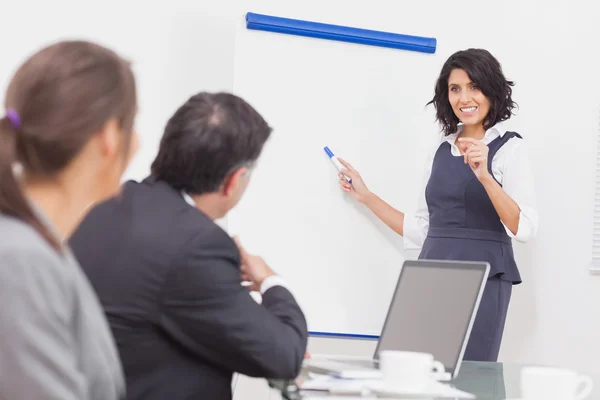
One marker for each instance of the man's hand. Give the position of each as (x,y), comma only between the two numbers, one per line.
(253,268)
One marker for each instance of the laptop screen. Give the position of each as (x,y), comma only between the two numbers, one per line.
(432,307)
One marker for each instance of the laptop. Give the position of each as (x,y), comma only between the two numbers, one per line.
(432,311)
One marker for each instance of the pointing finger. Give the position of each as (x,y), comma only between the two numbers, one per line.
(346,164)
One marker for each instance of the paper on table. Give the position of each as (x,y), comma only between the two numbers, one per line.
(361,387)
(337,386)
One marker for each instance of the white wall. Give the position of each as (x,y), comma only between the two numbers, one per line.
(184,46)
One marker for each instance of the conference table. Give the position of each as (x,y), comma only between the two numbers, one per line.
(487,381)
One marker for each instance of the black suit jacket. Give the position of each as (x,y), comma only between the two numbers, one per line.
(168,278)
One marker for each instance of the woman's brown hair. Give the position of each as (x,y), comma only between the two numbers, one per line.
(486,72)
(57,100)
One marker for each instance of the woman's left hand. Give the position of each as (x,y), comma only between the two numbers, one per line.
(476,155)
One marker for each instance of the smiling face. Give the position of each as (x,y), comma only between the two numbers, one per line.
(468,102)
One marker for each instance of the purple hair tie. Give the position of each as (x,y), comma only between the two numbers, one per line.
(13,117)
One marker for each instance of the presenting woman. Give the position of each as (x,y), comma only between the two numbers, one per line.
(478,193)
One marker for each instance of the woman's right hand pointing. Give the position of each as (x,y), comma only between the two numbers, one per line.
(357,189)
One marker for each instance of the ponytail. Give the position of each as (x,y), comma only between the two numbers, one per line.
(13,201)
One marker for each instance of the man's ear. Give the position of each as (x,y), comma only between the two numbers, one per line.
(234,180)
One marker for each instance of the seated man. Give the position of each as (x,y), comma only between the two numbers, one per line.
(170,279)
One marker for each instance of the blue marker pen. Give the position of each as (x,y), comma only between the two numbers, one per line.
(336,162)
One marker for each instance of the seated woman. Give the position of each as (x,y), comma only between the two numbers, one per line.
(69,120)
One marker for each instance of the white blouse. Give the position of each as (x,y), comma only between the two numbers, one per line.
(510,167)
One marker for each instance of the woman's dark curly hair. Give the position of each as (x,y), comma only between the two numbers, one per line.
(485,71)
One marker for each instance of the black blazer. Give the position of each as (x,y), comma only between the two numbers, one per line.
(168,278)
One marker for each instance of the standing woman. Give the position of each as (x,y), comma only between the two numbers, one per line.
(68,126)
(478,192)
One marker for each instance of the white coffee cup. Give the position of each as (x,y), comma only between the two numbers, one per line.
(408,371)
(546,383)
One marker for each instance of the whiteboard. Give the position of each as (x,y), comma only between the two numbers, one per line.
(342,263)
